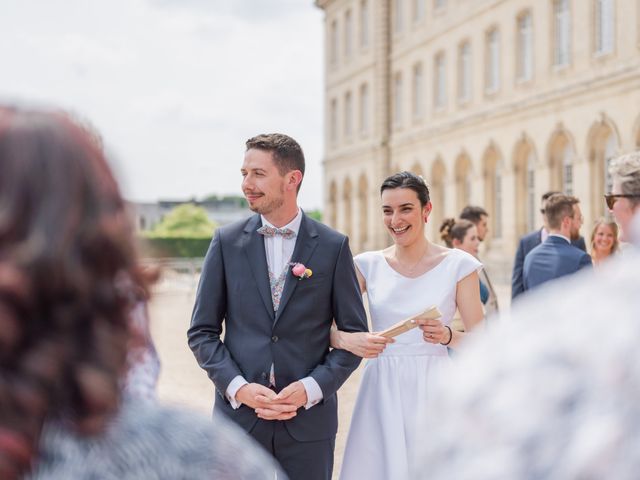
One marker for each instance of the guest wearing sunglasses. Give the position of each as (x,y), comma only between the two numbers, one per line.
(624,200)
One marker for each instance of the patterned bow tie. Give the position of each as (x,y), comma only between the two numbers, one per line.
(268,232)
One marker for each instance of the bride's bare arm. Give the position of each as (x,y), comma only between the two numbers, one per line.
(468,301)
(363,344)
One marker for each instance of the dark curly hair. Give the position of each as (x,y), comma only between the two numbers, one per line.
(68,277)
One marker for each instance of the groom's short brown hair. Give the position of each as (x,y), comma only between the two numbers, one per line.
(287,154)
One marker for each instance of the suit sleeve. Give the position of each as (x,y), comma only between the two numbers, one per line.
(349,316)
(585,262)
(207,318)
(517,284)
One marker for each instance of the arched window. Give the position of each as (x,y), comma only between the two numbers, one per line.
(497,203)
(363,212)
(610,151)
(567,169)
(531,191)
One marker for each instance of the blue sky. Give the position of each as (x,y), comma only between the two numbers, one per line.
(174,86)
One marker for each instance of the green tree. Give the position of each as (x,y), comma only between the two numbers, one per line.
(315,214)
(187,221)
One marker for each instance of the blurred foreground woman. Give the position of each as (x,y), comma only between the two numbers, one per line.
(68,281)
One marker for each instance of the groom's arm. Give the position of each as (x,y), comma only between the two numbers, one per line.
(206,322)
(349,316)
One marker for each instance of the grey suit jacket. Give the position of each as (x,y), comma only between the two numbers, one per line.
(234,290)
(553,258)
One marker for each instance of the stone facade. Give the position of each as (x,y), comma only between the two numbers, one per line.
(493,102)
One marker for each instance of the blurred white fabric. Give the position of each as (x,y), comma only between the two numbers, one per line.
(552,394)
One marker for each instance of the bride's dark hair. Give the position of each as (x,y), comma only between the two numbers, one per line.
(407,180)
(68,275)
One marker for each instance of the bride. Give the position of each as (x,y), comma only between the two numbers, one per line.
(400,281)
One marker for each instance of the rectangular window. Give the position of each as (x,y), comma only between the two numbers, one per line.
(493,61)
(464,72)
(397,100)
(525,47)
(398,16)
(418,86)
(348,115)
(418,10)
(437,4)
(348,34)
(561,33)
(333,120)
(364,23)
(364,109)
(440,85)
(333,49)
(604,26)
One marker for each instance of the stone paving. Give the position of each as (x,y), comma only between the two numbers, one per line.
(183,383)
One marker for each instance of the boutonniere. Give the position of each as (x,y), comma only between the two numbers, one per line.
(300,271)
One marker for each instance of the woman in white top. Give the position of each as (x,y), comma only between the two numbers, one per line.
(400,281)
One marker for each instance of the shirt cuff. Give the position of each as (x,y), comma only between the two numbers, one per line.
(314,392)
(237,382)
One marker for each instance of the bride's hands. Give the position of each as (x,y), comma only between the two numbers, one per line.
(433,331)
(362,344)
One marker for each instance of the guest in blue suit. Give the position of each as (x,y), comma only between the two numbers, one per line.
(531,241)
(556,257)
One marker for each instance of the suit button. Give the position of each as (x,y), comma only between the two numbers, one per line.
(274,339)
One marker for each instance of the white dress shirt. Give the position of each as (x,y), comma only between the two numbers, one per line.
(278,251)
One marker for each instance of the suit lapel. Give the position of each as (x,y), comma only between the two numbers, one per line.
(253,246)
(305,245)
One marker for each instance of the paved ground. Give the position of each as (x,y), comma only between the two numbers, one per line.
(182,382)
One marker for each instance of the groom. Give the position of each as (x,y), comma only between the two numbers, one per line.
(277,281)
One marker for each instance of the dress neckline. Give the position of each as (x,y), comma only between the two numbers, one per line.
(386,262)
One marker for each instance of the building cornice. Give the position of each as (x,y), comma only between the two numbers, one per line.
(322,4)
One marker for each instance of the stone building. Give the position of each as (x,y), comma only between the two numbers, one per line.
(493,102)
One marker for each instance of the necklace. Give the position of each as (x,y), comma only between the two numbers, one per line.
(412,267)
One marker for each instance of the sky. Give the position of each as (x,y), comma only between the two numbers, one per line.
(174,87)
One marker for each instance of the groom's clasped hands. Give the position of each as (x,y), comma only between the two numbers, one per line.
(270,405)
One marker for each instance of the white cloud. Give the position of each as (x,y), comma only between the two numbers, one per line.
(175,87)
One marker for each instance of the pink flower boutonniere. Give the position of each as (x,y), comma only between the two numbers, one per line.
(300,271)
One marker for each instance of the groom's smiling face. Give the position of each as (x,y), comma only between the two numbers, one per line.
(262,184)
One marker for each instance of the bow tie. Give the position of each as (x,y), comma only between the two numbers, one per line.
(269,232)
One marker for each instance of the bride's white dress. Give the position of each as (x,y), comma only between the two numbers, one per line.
(395,386)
